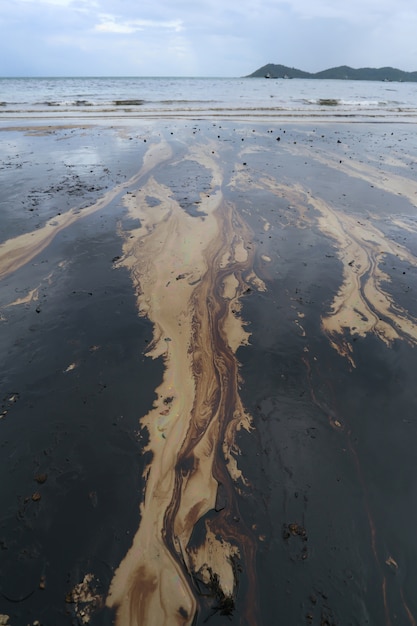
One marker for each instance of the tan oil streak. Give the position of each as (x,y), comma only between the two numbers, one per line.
(214,552)
(362,304)
(31,296)
(165,259)
(389,161)
(16,252)
(405,225)
(188,277)
(387,181)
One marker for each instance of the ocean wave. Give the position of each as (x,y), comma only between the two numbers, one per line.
(129,102)
(351,103)
(188,100)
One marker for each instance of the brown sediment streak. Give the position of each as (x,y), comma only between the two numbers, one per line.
(390,561)
(409,614)
(16,252)
(336,423)
(372,528)
(189,273)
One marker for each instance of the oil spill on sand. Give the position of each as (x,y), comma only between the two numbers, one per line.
(217,513)
(189,272)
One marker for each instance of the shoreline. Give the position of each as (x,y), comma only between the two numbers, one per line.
(245,117)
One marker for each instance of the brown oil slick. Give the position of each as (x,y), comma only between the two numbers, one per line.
(189,273)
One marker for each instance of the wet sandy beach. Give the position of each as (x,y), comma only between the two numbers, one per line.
(208,351)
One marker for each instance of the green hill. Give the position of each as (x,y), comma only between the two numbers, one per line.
(343,72)
(279,71)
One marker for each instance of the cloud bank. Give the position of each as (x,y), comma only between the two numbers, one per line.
(205,38)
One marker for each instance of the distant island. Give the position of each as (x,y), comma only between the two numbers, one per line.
(343,72)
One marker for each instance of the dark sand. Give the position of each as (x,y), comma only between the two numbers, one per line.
(225,314)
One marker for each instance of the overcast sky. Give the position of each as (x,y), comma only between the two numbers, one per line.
(202,37)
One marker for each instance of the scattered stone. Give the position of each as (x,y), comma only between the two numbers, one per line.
(85,598)
(392,563)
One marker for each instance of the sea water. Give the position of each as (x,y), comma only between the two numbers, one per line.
(137,97)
